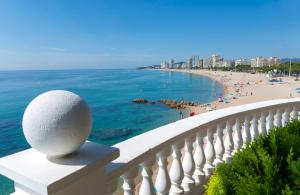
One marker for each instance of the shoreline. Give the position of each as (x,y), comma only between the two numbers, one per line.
(243,88)
(200,109)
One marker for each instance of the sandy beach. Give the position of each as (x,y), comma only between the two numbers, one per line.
(242,88)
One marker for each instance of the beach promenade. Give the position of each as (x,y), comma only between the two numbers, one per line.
(242,88)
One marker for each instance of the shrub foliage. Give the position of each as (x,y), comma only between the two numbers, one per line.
(269,165)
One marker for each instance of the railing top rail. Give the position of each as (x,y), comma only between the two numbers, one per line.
(136,149)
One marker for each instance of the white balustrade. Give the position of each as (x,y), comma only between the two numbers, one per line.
(219,146)
(278,117)
(246,131)
(286,116)
(209,153)
(262,123)
(295,112)
(229,144)
(199,157)
(176,171)
(254,126)
(128,181)
(147,186)
(98,168)
(162,182)
(238,139)
(188,164)
(271,119)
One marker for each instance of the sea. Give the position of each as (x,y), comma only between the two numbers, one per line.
(109,94)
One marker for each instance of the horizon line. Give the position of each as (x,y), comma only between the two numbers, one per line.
(3,70)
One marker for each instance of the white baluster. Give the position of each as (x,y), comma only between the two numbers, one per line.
(176,171)
(188,165)
(199,175)
(209,154)
(238,139)
(290,113)
(229,145)
(246,131)
(295,113)
(270,120)
(262,123)
(219,145)
(147,186)
(254,126)
(278,117)
(162,182)
(286,116)
(128,182)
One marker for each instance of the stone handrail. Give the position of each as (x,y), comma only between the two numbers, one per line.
(181,155)
(240,124)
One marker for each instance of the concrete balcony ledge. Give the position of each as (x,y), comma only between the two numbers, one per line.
(35,173)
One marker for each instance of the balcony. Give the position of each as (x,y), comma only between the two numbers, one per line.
(177,158)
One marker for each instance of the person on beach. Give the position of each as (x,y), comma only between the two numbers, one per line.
(181,115)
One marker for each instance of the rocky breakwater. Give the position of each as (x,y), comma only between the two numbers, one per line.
(140,101)
(177,104)
(170,103)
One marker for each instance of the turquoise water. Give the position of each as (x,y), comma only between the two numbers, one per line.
(109,94)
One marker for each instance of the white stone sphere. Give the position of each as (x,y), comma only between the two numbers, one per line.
(57,122)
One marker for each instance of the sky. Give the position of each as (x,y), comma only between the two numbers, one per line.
(71,34)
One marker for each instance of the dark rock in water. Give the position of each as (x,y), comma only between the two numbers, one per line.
(140,101)
(177,105)
(114,133)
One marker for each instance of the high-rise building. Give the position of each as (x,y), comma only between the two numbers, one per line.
(207,63)
(259,62)
(241,61)
(228,63)
(199,63)
(272,61)
(164,65)
(253,62)
(189,63)
(171,63)
(265,62)
(216,60)
(195,59)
